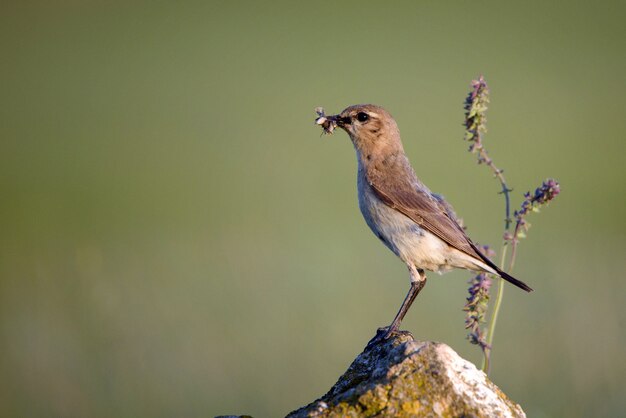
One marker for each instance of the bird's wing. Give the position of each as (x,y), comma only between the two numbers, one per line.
(402,191)
(406,195)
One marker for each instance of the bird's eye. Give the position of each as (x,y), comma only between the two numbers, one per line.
(362,116)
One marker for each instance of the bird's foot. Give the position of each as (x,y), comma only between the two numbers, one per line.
(382,334)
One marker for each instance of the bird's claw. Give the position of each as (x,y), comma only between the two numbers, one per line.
(382,334)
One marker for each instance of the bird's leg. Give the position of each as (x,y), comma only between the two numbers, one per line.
(418,280)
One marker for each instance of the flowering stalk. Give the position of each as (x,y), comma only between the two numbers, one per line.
(476,307)
(477,303)
(542,196)
(532,203)
(475,126)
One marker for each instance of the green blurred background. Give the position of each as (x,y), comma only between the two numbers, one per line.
(177,239)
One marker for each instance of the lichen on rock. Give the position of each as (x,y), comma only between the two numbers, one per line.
(402,377)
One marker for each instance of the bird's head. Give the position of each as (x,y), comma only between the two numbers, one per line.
(371,128)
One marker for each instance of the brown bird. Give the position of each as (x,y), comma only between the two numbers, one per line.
(420,227)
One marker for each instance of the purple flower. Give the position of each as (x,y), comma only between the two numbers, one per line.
(477,304)
(475,119)
(532,202)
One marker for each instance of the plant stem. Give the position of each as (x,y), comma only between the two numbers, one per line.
(514,242)
(494,315)
(484,157)
(486,360)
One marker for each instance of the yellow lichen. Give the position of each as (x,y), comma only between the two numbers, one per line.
(411,407)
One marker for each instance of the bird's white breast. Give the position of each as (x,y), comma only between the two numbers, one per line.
(400,234)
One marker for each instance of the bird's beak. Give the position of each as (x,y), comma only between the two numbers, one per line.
(329,123)
(340,121)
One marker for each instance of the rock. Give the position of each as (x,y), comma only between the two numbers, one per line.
(401,377)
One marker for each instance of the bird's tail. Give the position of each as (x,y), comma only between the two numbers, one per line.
(506,276)
(513,280)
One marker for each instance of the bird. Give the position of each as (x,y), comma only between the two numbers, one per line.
(417,225)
